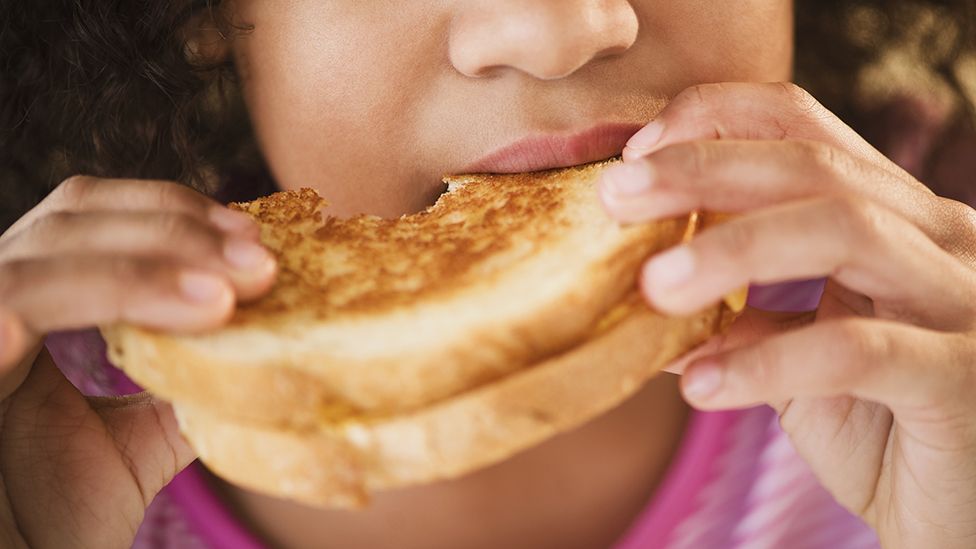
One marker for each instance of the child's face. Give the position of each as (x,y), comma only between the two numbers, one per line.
(372,101)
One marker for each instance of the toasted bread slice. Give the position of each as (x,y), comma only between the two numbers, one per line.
(342,464)
(372,316)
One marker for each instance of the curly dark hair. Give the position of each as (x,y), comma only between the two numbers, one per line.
(105,87)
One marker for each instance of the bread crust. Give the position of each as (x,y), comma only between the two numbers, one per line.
(342,464)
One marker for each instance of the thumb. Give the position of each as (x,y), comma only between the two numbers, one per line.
(148,437)
(80,471)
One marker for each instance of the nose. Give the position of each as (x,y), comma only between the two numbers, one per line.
(546,39)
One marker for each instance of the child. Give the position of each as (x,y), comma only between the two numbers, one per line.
(849,411)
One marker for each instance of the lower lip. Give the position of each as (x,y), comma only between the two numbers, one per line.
(548,152)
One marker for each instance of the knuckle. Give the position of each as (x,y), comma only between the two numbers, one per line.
(833,165)
(12,276)
(75,188)
(699,96)
(961,349)
(738,235)
(174,227)
(823,156)
(857,218)
(52,226)
(54,223)
(124,273)
(185,230)
(700,157)
(858,346)
(127,271)
(798,98)
(765,371)
(693,159)
(962,215)
(174,196)
(150,276)
(135,280)
(959,226)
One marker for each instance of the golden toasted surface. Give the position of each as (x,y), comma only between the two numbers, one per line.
(366,264)
(372,316)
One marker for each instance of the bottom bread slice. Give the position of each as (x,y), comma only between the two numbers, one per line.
(341,465)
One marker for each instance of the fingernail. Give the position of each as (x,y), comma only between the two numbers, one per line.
(633,155)
(231,221)
(245,254)
(201,287)
(703,381)
(647,137)
(628,179)
(669,269)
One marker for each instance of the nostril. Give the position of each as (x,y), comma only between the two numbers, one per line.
(544,39)
(613,51)
(486,72)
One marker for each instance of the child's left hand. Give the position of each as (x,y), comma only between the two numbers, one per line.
(878,389)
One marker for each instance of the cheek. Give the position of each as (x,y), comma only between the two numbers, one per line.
(735,40)
(324,96)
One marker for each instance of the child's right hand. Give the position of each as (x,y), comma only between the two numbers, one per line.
(79,471)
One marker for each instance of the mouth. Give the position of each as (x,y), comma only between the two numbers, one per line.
(544,152)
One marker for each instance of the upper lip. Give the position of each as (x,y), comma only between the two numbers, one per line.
(546,151)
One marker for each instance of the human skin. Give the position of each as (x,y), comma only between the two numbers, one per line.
(370,103)
(372,109)
(875,387)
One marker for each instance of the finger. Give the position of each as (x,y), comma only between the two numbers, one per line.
(895,364)
(145,431)
(769,111)
(81,291)
(862,246)
(83,193)
(710,347)
(178,236)
(751,326)
(733,176)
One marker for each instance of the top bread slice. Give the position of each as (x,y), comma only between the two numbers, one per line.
(374,316)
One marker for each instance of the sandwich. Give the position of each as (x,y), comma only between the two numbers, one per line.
(395,352)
